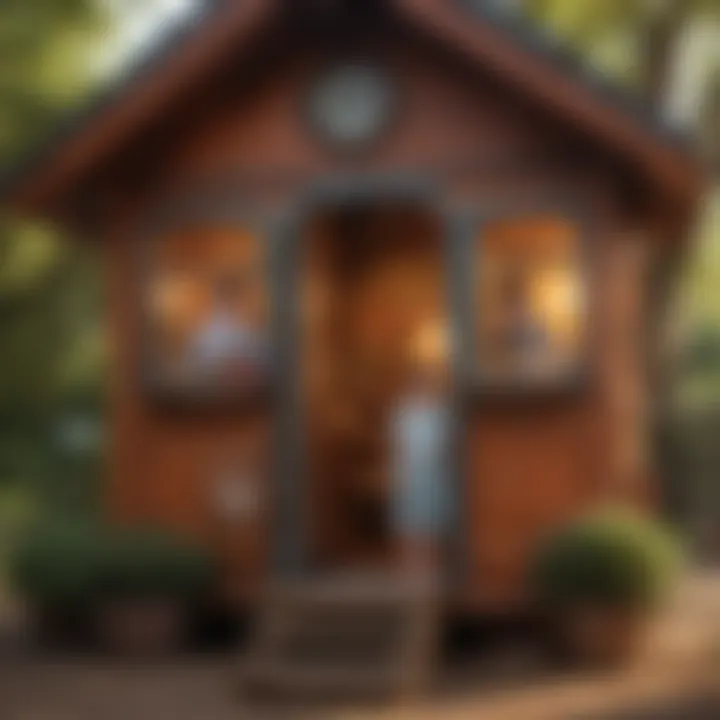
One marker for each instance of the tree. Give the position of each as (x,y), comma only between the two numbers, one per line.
(645,43)
(47,287)
(52,54)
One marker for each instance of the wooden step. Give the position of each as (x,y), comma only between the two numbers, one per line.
(350,590)
(337,642)
(347,634)
(287,677)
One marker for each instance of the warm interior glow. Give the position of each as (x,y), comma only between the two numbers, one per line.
(183,296)
(531,296)
(431,344)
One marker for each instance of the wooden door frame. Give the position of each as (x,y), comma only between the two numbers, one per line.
(291,520)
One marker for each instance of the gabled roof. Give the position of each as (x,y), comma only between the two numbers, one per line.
(511,48)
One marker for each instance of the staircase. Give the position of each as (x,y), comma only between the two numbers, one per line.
(348,636)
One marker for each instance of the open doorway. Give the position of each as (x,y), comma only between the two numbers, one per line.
(372,286)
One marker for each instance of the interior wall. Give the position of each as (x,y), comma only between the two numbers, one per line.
(372,279)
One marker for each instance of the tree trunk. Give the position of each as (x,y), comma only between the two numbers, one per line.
(710,127)
(664,30)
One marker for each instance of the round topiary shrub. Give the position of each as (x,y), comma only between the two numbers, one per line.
(611,558)
(71,563)
(55,566)
(598,579)
(147,563)
(132,589)
(147,582)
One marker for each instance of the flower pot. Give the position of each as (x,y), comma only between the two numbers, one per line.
(59,627)
(141,626)
(600,636)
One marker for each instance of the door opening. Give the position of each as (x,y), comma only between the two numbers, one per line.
(372,286)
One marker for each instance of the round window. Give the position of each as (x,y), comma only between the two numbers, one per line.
(352,104)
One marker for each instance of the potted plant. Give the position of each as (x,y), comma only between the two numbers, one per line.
(147,582)
(600,578)
(133,587)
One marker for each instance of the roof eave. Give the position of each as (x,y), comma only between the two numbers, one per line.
(39,184)
(666,163)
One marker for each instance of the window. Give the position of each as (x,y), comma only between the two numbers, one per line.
(531,299)
(206,305)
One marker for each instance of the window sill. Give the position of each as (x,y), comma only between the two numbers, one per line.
(170,396)
(556,386)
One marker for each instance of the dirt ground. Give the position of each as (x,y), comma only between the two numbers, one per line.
(678,679)
(58,689)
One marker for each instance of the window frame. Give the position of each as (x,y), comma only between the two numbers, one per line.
(292,551)
(519,386)
(198,214)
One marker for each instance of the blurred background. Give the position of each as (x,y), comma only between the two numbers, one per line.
(54,53)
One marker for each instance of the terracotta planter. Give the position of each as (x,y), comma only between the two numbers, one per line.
(58,627)
(141,627)
(603,636)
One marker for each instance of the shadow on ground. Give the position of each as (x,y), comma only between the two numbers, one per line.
(705,707)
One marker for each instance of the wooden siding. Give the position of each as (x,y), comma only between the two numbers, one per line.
(531,462)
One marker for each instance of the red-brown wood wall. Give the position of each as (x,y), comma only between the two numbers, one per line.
(532,462)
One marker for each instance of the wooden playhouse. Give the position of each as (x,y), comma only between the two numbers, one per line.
(350,174)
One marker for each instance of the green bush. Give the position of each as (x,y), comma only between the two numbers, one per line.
(613,557)
(70,564)
(55,564)
(149,563)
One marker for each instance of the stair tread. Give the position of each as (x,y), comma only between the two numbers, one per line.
(354,632)
(350,590)
(287,673)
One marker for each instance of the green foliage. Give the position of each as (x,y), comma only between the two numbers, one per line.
(613,558)
(618,35)
(56,564)
(604,31)
(50,300)
(702,352)
(77,563)
(45,57)
(149,563)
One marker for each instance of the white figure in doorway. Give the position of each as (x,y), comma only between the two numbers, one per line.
(420,425)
